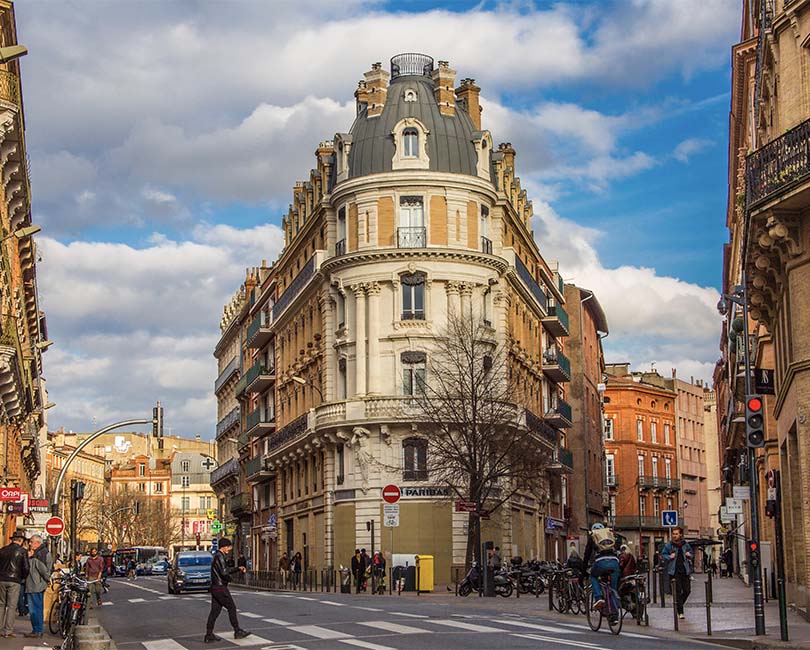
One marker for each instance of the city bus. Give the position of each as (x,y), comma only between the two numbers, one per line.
(142,555)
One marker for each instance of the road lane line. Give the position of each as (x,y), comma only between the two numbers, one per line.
(365,644)
(551,639)
(321,632)
(167,598)
(471,627)
(247,641)
(151,591)
(368,609)
(137,600)
(633,635)
(276,621)
(535,626)
(409,615)
(163,644)
(394,627)
(332,602)
(306,598)
(249,615)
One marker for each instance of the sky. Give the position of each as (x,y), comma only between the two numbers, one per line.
(165,138)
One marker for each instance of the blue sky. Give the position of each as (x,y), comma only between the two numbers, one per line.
(165,137)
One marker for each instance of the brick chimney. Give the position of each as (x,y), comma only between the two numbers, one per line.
(361,95)
(468,95)
(444,79)
(508,155)
(376,89)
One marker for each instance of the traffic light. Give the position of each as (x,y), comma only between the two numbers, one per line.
(77,489)
(754,422)
(157,421)
(753,554)
(198,539)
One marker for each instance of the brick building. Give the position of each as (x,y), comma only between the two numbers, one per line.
(641,454)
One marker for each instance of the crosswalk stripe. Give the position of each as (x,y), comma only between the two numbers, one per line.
(332,602)
(247,641)
(471,627)
(250,615)
(276,621)
(107,603)
(137,600)
(365,644)
(166,598)
(306,598)
(535,626)
(163,644)
(321,632)
(394,627)
(551,639)
(368,609)
(633,635)
(409,615)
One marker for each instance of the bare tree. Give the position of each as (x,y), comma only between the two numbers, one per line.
(467,409)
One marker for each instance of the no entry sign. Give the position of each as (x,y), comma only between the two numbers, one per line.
(391,493)
(10,494)
(55,526)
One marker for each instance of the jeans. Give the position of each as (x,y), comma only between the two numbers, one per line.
(683,587)
(221,597)
(35,607)
(602,566)
(9,593)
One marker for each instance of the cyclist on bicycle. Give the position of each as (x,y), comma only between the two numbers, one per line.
(601,549)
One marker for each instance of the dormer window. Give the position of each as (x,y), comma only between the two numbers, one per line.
(410,143)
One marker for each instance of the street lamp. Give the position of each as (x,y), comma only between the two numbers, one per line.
(12,52)
(305,382)
(22,233)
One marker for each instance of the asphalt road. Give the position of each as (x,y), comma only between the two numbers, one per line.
(140,615)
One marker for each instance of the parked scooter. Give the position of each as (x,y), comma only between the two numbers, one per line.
(474,581)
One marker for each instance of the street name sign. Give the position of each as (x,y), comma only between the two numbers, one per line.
(466,506)
(55,526)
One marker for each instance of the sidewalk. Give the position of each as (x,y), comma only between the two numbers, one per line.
(732,615)
(23,625)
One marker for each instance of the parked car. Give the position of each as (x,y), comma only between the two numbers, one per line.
(160,568)
(190,570)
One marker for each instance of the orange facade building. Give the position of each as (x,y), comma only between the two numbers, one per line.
(641,455)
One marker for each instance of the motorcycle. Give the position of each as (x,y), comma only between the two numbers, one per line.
(474,581)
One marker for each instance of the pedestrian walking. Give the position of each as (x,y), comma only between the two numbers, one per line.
(284,569)
(379,571)
(40,566)
(13,573)
(132,569)
(78,563)
(496,560)
(728,558)
(297,567)
(221,597)
(366,568)
(93,569)
(358,569)
(22,601)
(678,556)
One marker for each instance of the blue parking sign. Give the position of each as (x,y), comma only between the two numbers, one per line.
(214,545)
(669,518)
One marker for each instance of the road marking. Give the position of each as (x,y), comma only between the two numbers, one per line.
(471,627)
(306,598)
(409,615)
(250,640)
(249,615)
(534,626)
(633,635)
(276,621)
(365,644)
(167,598)
(163,644)
(137,600)
(107,604)
(151,591)
(394,627)
(368,609)
(321,632)
(332,602)
(551,639)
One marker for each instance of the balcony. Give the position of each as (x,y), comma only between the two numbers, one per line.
(256,470)
(259,422)
(779,166)
(659,483)
(634,522)
(556,365)
(612,481)
(290,432)
(557,321)
(230,370)
(258,332)
(9,87)
(562,461)
(559,415)
(240,503)
(258,378)
(531,283)
(486,245)
(228,469)
(340,248)
(229,421)
(411,63)
(411,237)
(540,426)
(294,289)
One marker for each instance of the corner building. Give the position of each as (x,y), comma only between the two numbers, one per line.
(410,215)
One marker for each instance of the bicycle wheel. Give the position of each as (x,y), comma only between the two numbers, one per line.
(70,640)
(53,618)
(615,614)
(594,615)
(561,599)
(642,617)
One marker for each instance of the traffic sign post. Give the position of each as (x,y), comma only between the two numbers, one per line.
(391,515)
(55,526)
(391,493)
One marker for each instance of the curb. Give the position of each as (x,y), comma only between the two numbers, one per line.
(753,644)
(92,636)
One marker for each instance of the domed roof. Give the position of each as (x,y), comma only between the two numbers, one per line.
(449,141)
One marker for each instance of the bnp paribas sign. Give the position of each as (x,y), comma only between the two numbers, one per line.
(428,492)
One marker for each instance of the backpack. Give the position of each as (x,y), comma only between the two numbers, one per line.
(603,539)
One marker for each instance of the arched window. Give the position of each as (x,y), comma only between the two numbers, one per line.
(415,459)
(410,143)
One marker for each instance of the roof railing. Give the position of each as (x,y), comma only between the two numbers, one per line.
(411,63)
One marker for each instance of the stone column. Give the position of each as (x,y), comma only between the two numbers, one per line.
(360,338)
(466,290)
(373,338)
(327,307)
(451,288)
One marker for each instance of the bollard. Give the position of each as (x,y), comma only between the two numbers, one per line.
(674,587)
(711,588)
(765,584)
(551,593)
(654,586)
(517,587)
(708,609)
(663,588)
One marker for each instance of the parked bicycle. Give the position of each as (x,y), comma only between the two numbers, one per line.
(69,609)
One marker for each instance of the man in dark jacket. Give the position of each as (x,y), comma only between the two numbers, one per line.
(220,595)
(13,573)
(358,569)
(678,556)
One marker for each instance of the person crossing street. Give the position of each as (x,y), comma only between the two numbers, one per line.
(678,556)
(93,568)
(221,597)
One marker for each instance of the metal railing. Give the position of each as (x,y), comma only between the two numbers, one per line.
(9,87)
(340,248)
(411,63)
(254,466)
(779,165)
(565,456)
(228,421)
(227,469)
(537,425)
(225,375)
(486,245)
(556,357)
(295,287)
(659,482)
(531,283)
(411,237)
(240,503)
(256,371)
(294,429)
(612,481)
(258,416)
(558,312)
(561,407)
(261,321)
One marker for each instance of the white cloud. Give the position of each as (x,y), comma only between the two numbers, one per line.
(689,147)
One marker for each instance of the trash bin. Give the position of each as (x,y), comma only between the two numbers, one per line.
(424,573)
(345,581)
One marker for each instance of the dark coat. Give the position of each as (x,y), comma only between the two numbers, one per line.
(13,563)
(221,572)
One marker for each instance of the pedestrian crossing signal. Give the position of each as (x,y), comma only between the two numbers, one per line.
(754,422)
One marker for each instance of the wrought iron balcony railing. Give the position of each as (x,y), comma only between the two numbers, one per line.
(295,288)
(555,358)
(240,503)
(290,432)
(779,165)
(659,483)
(557,320)
(486,245)
(531,283)
(538,425)
(231,419)
(258,332)
(227,469)
(258,417)
(411,63)
(411,237)
(566,457)
(340,248)
(226,374)
(560,408)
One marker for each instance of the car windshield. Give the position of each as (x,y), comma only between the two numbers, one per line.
(194,560)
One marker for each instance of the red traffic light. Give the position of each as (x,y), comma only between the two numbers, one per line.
(753,546)
(754,404)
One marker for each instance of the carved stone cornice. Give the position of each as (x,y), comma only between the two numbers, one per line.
(423,255)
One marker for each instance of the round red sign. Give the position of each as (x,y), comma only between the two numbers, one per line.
(55,526)
(391,493)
